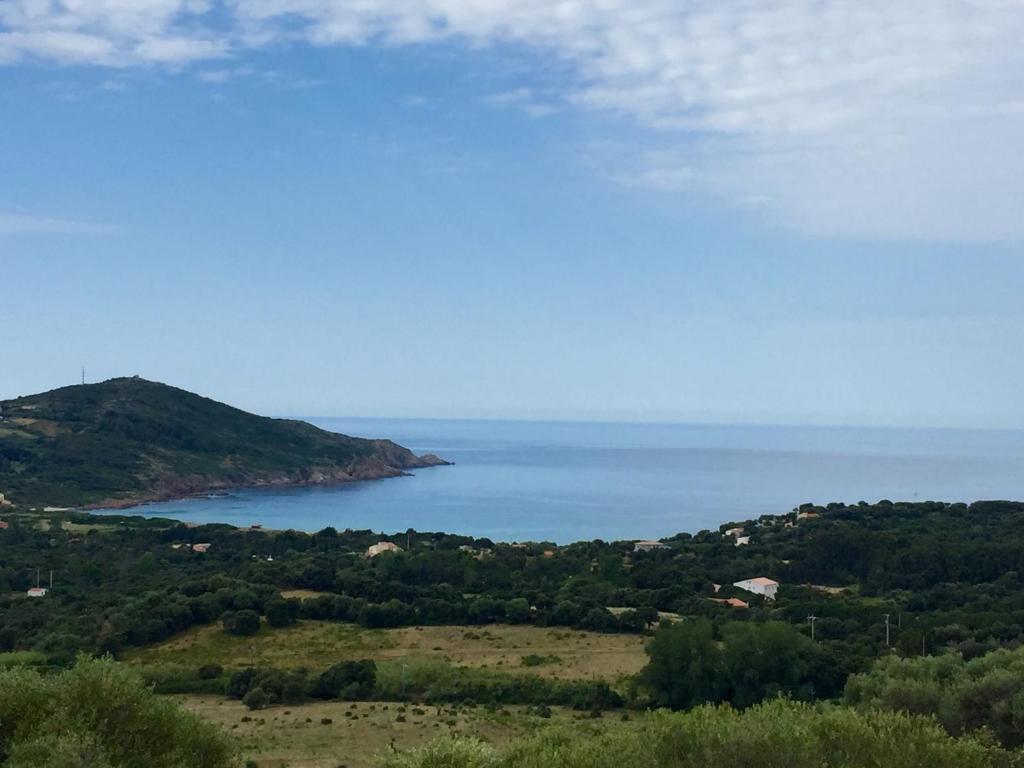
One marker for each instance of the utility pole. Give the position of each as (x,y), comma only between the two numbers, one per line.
(51,579)
(83,374)
(812,618)
(886,629)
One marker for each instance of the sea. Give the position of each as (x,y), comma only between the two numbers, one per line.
(572,481)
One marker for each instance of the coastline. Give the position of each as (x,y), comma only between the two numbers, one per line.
(187,488)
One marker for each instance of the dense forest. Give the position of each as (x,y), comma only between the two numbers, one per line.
(942,576)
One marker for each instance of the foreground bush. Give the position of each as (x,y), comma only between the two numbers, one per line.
(965,696)
(779,734)
(100,714)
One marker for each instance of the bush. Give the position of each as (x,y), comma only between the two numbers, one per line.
(104,710)
(347,680)
(244,622)
(779,734)
(257,698)
(965,696)
(281,612)
(210,671)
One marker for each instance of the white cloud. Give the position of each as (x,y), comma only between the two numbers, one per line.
(22,223)
(897,119)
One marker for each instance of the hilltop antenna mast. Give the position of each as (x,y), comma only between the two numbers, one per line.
(886,629)
(83,374)
(812,618)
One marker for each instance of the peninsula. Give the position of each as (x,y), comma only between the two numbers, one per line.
(128,440)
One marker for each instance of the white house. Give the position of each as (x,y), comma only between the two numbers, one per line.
(381,547)
(37,592)
(647,546)
(759,586)
(742,541)
(733,532)
(204,547)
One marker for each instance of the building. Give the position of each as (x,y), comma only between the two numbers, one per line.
(759,586)
(4,502)
(732,602)
(382,546)
(808,515)
(733,532)
(200,547)
(37,592)
(648,546)
(742,541)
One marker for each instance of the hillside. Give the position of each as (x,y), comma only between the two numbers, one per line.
(128,439)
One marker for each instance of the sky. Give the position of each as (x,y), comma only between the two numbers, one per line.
(781,211)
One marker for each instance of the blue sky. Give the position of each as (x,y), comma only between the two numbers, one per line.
(313,207)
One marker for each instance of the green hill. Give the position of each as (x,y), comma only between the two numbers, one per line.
(127,440)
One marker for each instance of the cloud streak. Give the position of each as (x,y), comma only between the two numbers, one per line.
(864,119)
(21,223)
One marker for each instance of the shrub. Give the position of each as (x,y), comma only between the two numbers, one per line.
(779,734)
(104,710)
(347,680)
(244,622)
(257,698)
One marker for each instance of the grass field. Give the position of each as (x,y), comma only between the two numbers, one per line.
(299,737)
(564,654)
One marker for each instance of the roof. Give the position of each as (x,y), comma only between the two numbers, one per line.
(762,581)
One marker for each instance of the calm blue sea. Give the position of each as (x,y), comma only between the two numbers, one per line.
(563,482)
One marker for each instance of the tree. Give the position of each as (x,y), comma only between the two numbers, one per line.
(281,613)
(347,680)
(517,611)
(685,667)
(764,660)
(245,622)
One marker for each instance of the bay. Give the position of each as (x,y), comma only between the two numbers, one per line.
(569,481)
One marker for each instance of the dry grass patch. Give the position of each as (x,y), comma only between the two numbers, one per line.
(568,654)
(299,737)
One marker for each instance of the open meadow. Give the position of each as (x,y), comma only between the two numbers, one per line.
(558,653)
(340,734)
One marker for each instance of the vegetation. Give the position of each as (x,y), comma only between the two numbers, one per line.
(982,695)
(101,715)
(778,734)
(327,734)
(130,439)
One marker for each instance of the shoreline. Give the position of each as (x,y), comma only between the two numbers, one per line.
(321,478)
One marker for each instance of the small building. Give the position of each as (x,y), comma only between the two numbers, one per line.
(201,547)
(742,541)
(760,586)
(37,592)
(733,532)
(649,546)
(4,502)
(381,547)
(732,602)
(807,515)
